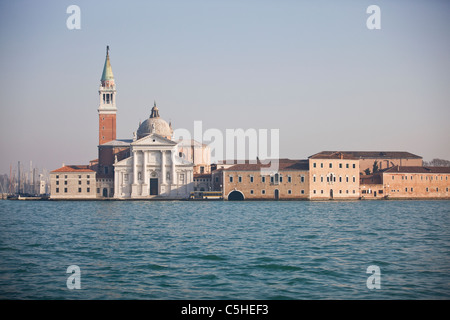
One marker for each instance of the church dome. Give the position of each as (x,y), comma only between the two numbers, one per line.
(154,124)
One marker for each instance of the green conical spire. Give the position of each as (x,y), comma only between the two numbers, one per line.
(107,70)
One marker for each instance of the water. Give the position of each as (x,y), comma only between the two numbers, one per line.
(225,250)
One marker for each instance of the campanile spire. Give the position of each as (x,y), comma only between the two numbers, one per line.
(107,108)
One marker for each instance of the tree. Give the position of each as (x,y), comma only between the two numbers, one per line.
(367,171)
(437,163)
(375,166)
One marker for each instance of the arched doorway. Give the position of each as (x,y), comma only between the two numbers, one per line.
(277,194)
(235,196)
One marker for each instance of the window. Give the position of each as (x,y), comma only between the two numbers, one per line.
(302,179)
(57,176)
(340,165)
(98,190)
(65,177)
(321,178)
(79,181)
(346,165)
(79,176)
(314,191)
(340,179)
(321,165)
(392,177)
(57,183)
(331,165)
(412,189)
(88,182)
(79,190)
(354,166)
(427,189)
(314,178)
(239,179)
(346,191)
(263,191)
(354,179)
(251,179)
(446,189)
(57,190)
(340,191)
(314,165)
(406,189)
(88,190)
(202,169)
(88,176)
(251,191)
(231,178)
(217,179)
(437,189)
(354,191)
(302,191)
(321,191)
(65,190)
(263,179)
(65,182)
(346,179)
(289,191)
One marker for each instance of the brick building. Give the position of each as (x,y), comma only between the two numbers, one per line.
(384,159)
(412,182)
(333,176)
(73,182)
(249,181)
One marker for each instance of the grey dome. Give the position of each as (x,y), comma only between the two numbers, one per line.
(154,124)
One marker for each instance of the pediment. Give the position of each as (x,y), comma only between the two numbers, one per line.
(154,140)
(125,162)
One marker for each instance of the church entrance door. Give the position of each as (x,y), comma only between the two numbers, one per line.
(153,186)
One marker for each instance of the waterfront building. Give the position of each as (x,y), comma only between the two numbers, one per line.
(251,181)
(333,176)
(409,182)
(73,182)
(383,159)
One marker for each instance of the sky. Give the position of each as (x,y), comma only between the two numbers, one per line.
(311,69)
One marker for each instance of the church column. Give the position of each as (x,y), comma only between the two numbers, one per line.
(173,174)
(116,183)
(163,166)
(144,176)
(135,172)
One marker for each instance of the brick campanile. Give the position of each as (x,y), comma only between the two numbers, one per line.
(107,109)
(106,119)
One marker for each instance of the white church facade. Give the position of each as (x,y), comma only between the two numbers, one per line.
(154,170)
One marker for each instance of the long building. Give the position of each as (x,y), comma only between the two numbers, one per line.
(411,182)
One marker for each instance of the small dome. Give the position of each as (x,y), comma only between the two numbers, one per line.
(154,124)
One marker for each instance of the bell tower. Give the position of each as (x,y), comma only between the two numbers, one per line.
(107,108)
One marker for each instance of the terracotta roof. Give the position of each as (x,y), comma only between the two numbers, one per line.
(333,155)
(283,164)
(74,168)
(418,169)
(202,175)
(377,154)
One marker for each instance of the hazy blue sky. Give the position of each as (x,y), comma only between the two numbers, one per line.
(309,68)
